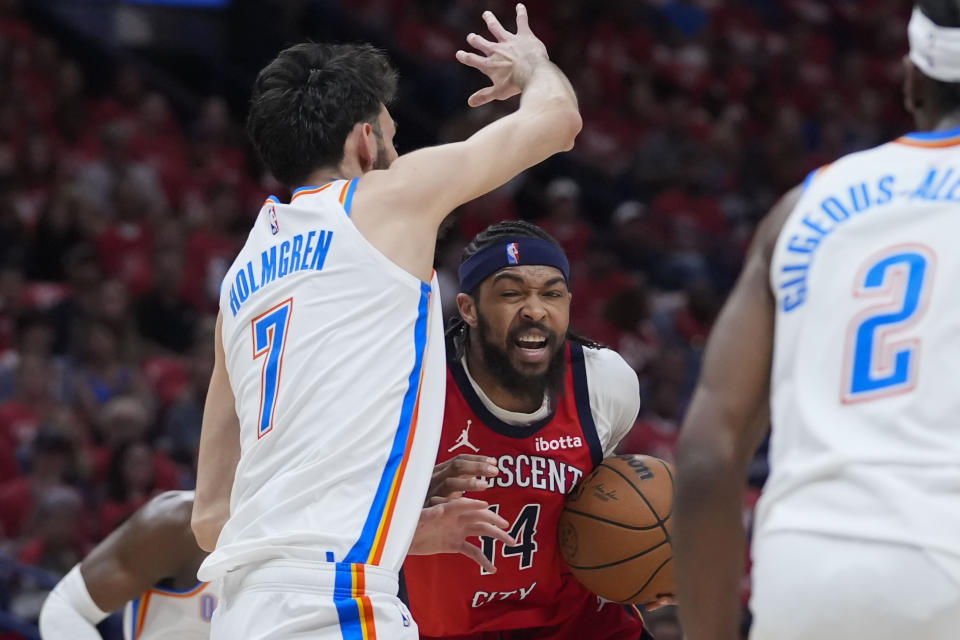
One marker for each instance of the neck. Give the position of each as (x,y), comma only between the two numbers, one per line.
(346,170)
(939,122)
(498,394)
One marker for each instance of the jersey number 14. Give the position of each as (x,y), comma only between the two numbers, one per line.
(523,530)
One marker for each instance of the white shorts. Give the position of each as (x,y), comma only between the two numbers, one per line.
(807,585)
(321,601)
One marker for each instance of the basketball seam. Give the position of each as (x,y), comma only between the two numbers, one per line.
(660,521)
(613,522)
(673,485)
(621,560)
(649,580)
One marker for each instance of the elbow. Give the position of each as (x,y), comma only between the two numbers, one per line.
(557,123)
(567,124)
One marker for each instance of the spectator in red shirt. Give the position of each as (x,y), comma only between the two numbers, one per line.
(563,220)
(52,459)
(57,542)
(103,373)
(21,415)
(130,483)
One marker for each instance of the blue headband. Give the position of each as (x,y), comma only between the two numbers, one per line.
(511,252)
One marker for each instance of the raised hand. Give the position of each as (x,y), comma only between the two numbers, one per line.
(509,62)
(460,474)
(446,524)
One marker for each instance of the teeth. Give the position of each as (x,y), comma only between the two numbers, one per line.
(531,339)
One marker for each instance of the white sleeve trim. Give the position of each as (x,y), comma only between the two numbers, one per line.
(614,396)
(69,612)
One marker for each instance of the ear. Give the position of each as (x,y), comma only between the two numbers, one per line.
(364,144)
(468,309)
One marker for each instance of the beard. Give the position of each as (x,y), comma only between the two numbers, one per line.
(380,162)
(530,387)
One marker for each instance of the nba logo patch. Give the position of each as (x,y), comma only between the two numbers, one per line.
(513,253)
(274,224)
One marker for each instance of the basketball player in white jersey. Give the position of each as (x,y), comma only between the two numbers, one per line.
(324,411)
(149,565)
(844,330)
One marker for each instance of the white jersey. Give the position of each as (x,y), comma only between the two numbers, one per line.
(167,614)
(335,357)
(865,403)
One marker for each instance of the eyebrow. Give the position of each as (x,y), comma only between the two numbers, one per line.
(509,276)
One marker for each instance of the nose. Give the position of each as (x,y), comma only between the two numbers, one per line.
(533,309)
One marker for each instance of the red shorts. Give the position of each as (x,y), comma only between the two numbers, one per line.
(611,622)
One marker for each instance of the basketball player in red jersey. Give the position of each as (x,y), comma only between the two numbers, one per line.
(533,409)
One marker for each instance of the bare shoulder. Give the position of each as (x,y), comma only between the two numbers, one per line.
(768,231)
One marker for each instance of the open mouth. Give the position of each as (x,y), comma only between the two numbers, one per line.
(531,342)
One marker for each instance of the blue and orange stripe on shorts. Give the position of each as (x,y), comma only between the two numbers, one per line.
(354,607)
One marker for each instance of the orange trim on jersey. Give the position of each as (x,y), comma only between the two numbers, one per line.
(142,615)
(367,622)
(309,191)
(379,541)
(177,594)
(343,192)
(929,144)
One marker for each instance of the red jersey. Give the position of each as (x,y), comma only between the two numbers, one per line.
(539,464)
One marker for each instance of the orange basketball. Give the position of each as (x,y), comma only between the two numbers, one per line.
(615,530)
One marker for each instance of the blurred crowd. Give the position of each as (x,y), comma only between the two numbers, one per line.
(119,217)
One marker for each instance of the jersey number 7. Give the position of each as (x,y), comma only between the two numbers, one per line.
(269,339)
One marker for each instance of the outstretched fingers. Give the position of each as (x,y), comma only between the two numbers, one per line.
(523,22)
(482,97)
(480,43)
(472,60)
(496,29)
(473,552)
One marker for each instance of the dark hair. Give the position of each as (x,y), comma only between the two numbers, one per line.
(116,481)
(944,13)
(306,102)
(459,331)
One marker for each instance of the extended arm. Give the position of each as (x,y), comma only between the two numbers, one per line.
(219,453)
(155,543)
(725,423)
(422,187)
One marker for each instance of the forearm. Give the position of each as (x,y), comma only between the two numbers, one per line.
(709,541)
(211,507)
(69,613)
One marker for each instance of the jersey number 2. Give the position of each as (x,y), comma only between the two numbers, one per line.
(269,339)
(876,364)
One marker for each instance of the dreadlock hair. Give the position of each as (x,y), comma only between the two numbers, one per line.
(458,332)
